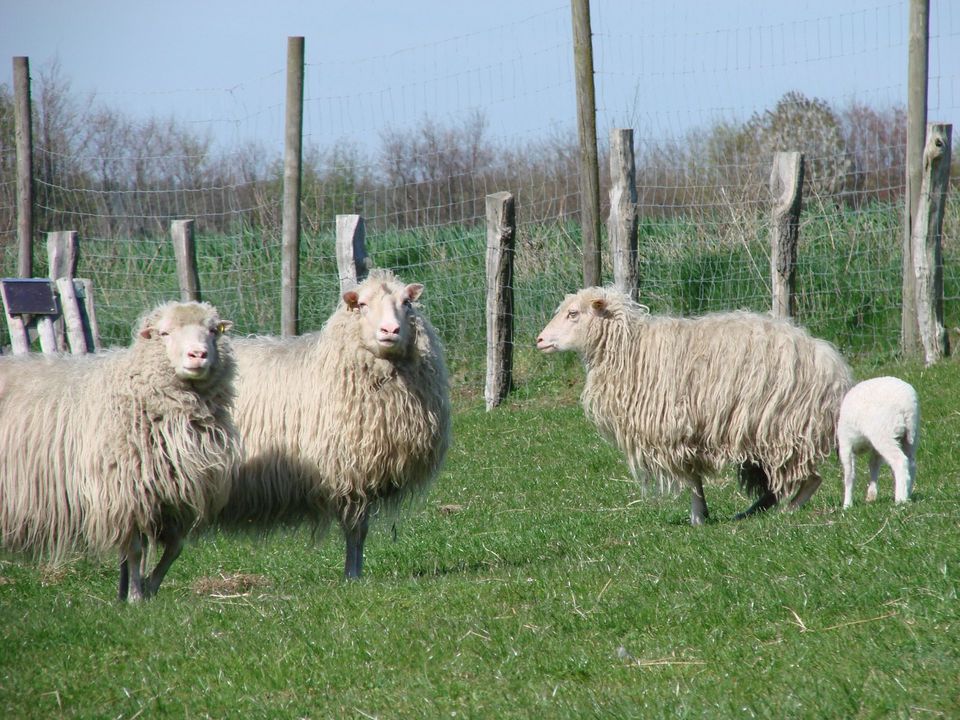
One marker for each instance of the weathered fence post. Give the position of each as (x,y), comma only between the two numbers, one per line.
(786,186)
(293,146)
(62,257)
(23,132)
(72,316)
(185,250)
(501,236)
(927,250)
(352,260)
(623,221)
(918,62)
(587,134)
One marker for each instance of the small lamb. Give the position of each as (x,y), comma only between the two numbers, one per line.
(881,416)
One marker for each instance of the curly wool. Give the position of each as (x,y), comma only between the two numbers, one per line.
(330,430)
(683,397)
(97,447)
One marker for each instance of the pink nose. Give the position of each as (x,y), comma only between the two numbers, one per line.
(197,354)
(390,328)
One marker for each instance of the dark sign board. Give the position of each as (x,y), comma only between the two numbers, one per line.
(32,296)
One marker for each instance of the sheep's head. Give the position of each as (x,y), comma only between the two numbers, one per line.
(386,314)
(570,326)
(189,333)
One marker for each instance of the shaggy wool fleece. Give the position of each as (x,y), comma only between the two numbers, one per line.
(97,448)
(332,429)
(682,397)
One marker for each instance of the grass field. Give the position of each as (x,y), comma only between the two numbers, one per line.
(536,580)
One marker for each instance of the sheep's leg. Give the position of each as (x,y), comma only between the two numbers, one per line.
(124,579)
(753,479)
(806,490)
(899,463)
(355,534)
(172,547)
(131,574)
(763,503)
(910,450)
(698,503)
(875,462)
(848,461)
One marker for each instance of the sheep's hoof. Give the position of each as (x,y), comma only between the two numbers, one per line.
(763,503)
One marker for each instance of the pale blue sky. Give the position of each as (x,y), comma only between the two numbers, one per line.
(661,66)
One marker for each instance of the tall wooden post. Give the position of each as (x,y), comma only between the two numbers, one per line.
(292,174)
(587,133)
(352,260)
(63,253)
(62,256)
(786,186)
(917,66)
(23,133)
(622,224)
(927,250)
(185,251)
(501,236)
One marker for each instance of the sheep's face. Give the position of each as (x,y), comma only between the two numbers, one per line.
(386,316)
(568,328)
(189,333)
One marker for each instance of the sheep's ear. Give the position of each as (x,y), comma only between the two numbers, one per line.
(351,298)
(599,305)
(146,331)
(223,326)
(413,291)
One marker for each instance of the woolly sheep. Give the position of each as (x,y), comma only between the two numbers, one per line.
(882,417)
(120,450)
(342,421)
(681,397)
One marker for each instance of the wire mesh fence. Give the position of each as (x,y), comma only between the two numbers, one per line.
(420,181)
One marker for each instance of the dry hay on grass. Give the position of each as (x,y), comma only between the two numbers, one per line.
(229,585)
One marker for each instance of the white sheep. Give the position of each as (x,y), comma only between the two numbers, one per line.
(120,450)
(882,417)
(682,397)
(343,421)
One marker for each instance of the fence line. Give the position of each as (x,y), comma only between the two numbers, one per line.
(702,190)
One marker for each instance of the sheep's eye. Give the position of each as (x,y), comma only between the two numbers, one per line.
(573,314)
(406,302)
(362,307)
(164,333)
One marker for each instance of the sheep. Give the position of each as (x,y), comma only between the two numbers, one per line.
(880,416)
(682,397)
(339,423)
(121,450)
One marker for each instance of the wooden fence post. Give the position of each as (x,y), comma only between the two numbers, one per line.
(62,257)
(623,221)
(292,174)
(185,250)
(72,316)
(927,250)
(918,61)
(352,260)
(786,186)
(23,133)
(587,134)
(501,236)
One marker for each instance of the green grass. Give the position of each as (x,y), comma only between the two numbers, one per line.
(556,588)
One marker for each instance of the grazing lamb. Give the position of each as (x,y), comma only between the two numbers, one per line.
(120,450)
(681,397)
(339,422)
(880,416)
